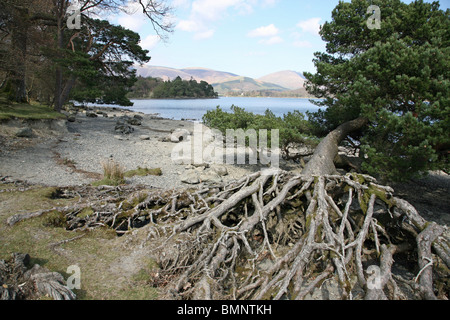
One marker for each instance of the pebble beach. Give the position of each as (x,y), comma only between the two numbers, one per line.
(74,156)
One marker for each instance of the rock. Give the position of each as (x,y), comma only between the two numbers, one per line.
(220,170)
(179,135)
(200,168)
(134,122)
(130,121)
(120,137)
(190,177)
(210,176)
(123,128)
(71,118)
(139,117)
(144,137)
(91,114)
(24,133)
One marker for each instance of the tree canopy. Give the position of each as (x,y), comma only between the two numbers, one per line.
(182,89)
(45,59)
(397,77)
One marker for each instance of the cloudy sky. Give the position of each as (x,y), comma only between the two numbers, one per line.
(247,37)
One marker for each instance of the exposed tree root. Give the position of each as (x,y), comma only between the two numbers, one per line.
(280,237)
(273,235)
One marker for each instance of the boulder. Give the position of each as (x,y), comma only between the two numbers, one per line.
(190,177)
(220,170)
(144,137)
(123,128)
(134,122)
(210,176)
(24,133)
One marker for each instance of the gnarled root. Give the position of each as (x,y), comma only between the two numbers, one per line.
(274,235)
(277,236)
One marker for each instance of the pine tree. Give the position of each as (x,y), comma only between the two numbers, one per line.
(397,77)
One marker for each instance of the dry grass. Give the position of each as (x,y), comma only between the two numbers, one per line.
(113,173)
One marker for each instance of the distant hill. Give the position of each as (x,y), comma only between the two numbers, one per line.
(227,83)
(288,79)
(199,74)
(244,84)
(208,75)
(162,72)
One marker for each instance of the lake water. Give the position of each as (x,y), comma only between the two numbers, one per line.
(195,109)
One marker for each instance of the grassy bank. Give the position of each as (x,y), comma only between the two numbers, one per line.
(103,258)
(32,111)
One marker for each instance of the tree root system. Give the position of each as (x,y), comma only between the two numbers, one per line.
(275,235)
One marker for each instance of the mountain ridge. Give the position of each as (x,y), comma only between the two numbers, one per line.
(224,82)
(289,79)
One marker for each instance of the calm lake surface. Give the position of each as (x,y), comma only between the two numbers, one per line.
(195,109)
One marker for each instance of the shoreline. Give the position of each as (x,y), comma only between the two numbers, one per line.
(75,157)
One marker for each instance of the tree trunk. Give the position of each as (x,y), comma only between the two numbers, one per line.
(59,101)
(321,162)
(19,46)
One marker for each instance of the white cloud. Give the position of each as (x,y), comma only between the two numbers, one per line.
(271,40)
(133,21)
(180,3)
(150,42)
(132,18)
(311,26)
(212,10)
(269,34)
(267,31)
(204,14)
(188,25)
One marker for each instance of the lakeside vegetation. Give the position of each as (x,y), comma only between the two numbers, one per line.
(295,132)
(155,88)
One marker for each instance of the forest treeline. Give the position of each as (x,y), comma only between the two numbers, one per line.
(156,88)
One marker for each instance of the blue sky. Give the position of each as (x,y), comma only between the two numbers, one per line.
(247,37)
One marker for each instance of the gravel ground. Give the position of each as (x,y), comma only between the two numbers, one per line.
(75,157)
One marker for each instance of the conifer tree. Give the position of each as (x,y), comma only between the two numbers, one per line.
(397,77)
